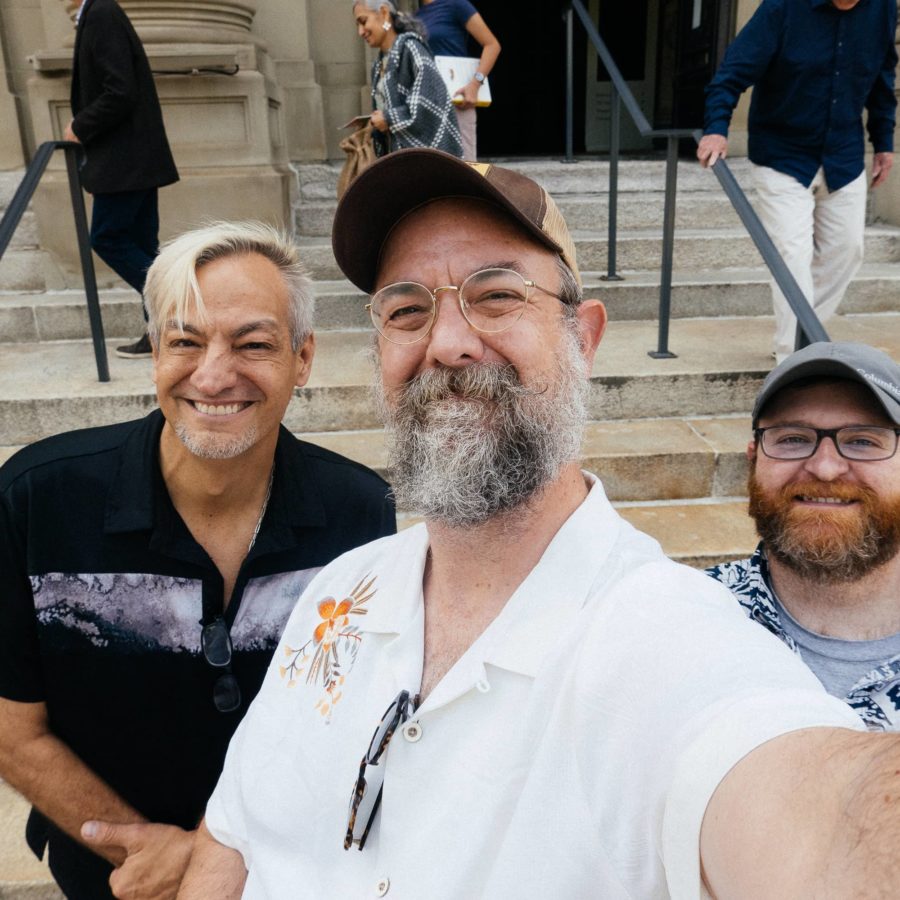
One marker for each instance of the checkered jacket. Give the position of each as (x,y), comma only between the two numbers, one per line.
(419,111)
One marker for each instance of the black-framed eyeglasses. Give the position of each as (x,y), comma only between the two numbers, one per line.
(215,642)
(366,797)
(492,300)
(861,443)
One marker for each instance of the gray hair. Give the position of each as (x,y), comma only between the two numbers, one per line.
(570,291)
(172,290)
(401,21)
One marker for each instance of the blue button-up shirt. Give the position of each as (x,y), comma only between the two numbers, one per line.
(813,68)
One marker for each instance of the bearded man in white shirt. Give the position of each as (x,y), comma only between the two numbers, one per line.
(566,713)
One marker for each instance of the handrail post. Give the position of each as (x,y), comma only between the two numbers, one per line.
(87,262)
(615,118)
(665,282)
(570,84)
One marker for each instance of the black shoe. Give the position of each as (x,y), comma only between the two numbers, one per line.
(138,350)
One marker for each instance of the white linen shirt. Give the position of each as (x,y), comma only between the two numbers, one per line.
(571,751)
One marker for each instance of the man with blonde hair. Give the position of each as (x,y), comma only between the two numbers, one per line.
(148,567)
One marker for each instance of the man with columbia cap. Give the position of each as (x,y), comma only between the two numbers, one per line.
(824,492)
(521,697)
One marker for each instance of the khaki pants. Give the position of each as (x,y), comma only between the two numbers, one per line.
(467,120)
(819,234)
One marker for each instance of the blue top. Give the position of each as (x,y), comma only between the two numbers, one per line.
(813,69)
(446,24)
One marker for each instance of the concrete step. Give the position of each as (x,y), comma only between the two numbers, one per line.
(62,315)
(723,292)
(22,875)
(29,270)
(584,211)
(9,184)
(50,387)
(26,234)
(641,250)
(699,533)
(318,181)
(643,459)
(580,190)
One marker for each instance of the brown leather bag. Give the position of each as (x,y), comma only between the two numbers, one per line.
(360,152)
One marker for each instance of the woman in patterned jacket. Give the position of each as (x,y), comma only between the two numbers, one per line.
(410,102)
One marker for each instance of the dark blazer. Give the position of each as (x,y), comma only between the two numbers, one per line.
(115,106)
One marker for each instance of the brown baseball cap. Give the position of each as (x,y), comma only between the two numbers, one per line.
(403,181)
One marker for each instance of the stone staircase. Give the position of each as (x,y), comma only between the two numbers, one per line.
(25,266)
(666,436)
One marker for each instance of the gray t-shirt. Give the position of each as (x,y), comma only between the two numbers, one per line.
(837,663)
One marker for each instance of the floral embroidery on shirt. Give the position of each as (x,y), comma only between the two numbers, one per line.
(329,655)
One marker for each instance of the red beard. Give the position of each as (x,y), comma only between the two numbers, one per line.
(826,544)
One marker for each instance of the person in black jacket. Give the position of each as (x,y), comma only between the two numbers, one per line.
(118,119)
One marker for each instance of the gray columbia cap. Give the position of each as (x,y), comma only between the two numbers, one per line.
(838,359)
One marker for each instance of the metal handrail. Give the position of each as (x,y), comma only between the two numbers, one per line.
(16,210)
(809,328)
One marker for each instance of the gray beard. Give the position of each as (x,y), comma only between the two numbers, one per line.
(472,443)
(210,446)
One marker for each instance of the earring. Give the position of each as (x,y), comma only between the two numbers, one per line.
(386,26)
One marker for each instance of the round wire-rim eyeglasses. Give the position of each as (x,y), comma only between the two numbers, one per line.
(491,300)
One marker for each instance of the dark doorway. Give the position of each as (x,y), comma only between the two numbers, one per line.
(528,85)
(693,38)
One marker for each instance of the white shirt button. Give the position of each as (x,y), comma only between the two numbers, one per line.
(383,886)
(482,685)
(412,731)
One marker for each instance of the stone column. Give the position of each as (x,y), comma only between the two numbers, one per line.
(11,156)
(227,131)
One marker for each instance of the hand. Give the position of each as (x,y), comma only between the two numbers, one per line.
(881,167)
(378,121)
(155,862)
(69,135)
(711,148)
(469,93)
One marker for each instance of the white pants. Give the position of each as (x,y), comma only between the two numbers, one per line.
(819,234)
(467,121)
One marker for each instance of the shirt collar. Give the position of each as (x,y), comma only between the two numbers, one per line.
(137,487)
(132,493)
(552,594)
(557,588)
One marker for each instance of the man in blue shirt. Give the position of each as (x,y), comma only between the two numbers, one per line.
(814,65)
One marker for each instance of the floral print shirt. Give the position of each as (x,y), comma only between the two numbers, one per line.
(875,697)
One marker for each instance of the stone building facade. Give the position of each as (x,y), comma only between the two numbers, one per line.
(302,72)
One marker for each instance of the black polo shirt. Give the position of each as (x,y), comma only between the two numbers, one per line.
(104,590)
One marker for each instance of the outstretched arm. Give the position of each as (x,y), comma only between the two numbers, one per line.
(215,870)
(815,813)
